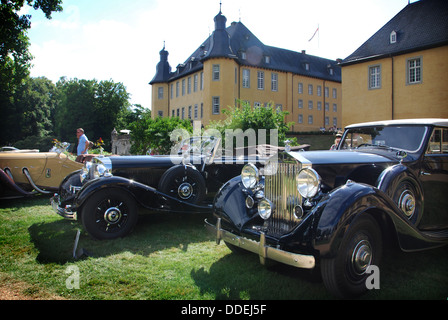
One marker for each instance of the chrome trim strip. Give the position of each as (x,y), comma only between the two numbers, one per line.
(260,248)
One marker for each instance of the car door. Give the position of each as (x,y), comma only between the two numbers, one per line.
(434,177)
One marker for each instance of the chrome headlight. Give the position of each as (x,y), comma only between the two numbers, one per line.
(308,182)
(101,171)
(85,171)
(249,176)
(265,208)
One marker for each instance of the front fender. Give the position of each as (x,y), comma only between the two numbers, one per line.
(230,205)
(339,208)
(145,195)
(337,211)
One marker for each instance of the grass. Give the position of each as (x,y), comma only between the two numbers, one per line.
(172,257)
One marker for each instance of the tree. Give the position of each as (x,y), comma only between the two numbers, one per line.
(14,56)
(246,117)
(94,106)
(153,135)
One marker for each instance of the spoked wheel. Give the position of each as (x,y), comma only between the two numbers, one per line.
(109,214)
(345,275)
(184,183)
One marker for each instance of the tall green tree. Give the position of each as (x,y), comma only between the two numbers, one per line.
(15,58)
(94,106)
(35,103)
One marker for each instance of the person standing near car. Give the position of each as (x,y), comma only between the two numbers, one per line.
(83,144)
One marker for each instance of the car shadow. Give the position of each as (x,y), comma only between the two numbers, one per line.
(55,241)
(240,276)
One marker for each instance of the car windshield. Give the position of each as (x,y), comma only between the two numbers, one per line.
(198,146)
(409,138)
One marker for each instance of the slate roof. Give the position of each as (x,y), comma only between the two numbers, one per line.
(420,25)
(230,42)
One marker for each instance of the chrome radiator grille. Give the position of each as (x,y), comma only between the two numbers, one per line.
(281,190)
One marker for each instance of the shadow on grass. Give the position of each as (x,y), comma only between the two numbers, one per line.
(154,231)
(241,277)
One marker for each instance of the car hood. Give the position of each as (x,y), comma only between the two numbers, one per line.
(142,161)
(342,157)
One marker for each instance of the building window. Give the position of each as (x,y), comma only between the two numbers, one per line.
(310,89)
(310,119)
(202,110)
(319,105)
(195,83)
(393,37)
(274,81)
(310,104)
(195,111)
(257,104)
(215,105)
(160,113)
(246,78)
(300,87)
(183,87)
(300,119)
(216,75)
(374,77)
(414,70)
(189,112)
(335,93)
(300,104)
(189,85)
(202,81)
(335,107)
(160,93)
(319,91)
(243,55)
(172,90)
(172,113)
(177,112)
(177,89)
(183,113)
(260,80)
(326,92)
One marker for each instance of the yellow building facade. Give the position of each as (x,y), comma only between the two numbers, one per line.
(233,66)
(407,76)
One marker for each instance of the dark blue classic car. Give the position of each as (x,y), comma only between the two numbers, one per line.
(335,210)
(107,193)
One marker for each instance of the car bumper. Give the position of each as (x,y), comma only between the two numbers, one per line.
(260,248)
(64,212)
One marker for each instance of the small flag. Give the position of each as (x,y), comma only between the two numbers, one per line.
(317,30)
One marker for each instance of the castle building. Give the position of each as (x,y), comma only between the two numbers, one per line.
(233,65)
(402,70)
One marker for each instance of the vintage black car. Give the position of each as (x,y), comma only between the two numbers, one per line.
(336,210)
(107,193)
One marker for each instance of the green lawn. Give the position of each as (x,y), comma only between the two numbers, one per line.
(172,257)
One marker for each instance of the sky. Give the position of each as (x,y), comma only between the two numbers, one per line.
(120,40)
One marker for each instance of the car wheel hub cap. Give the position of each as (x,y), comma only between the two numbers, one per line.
(112,215)
(407,203)
(362,257)
(185,190)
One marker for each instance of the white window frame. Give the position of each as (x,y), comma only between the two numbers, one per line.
(215,105)
(260,80)
(216,72)
(246,78)
(274,81)
(375,77)
(414,73)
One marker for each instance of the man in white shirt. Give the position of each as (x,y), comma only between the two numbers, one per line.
(83,144)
